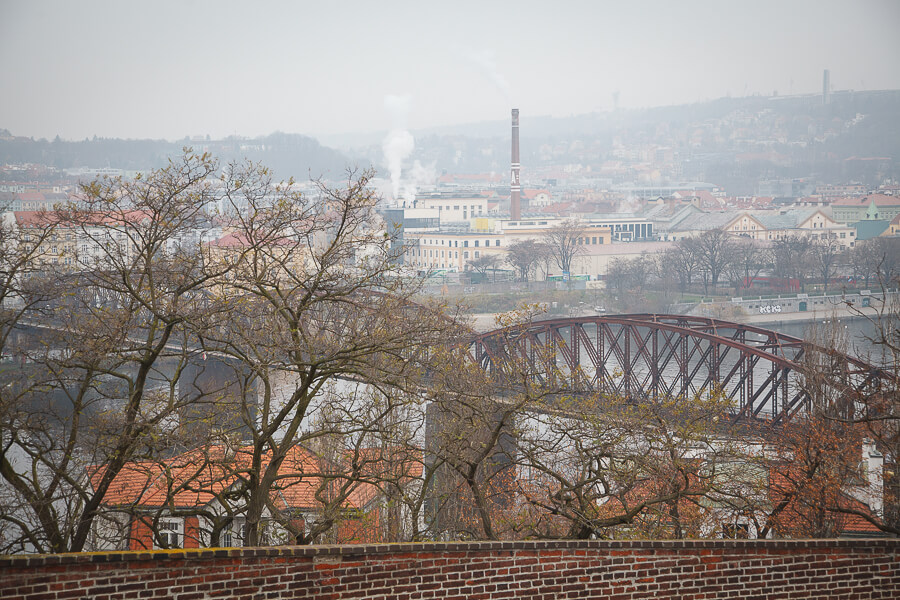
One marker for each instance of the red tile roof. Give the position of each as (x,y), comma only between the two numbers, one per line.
(31,197)
(195,478)
(878,199)
(797,518)
(531,194)
(34,218)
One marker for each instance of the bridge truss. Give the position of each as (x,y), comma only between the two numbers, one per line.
(767,375)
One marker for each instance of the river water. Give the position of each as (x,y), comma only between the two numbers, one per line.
(858,333)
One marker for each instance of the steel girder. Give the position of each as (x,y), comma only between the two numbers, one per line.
(649,355)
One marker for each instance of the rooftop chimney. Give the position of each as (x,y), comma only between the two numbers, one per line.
(515,189)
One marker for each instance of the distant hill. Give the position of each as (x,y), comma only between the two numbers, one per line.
(286,154)
(733,142)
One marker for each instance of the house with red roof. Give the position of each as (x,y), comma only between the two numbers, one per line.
(195,499)
(535,198)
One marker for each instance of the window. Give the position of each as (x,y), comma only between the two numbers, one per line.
(497,243)
(169,534)
(465,243)
(593,240)
(476,243)
(465,255)
(476,254)
(233,537)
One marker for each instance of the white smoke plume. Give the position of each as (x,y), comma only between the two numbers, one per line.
(418,175)
(399,143)
(487,63)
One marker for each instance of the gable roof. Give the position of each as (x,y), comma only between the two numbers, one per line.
(531,194)
(789,219)
(878,199)
(197,477)
(743,215)
(702,221)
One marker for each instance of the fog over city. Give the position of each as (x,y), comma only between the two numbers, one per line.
(174,69)
(585,276)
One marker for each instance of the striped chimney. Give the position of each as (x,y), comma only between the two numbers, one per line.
(515,188)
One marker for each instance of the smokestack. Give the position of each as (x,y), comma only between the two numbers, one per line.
(826,86)
(515,189)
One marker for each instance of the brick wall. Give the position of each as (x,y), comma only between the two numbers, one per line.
(547,570)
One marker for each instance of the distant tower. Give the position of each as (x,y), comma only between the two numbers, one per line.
(826,87)
(515,187)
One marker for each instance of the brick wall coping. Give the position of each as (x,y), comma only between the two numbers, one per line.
(322,551)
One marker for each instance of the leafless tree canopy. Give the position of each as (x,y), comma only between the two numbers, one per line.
(227,349)
(564,243)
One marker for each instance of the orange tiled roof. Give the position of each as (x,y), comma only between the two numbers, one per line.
(195,478)
(795,516)
(34,218)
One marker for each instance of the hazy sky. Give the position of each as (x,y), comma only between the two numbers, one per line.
(175,68)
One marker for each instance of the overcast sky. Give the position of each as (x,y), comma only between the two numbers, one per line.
(167,69)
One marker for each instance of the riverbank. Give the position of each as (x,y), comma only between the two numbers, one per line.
(812,316)
(483,322)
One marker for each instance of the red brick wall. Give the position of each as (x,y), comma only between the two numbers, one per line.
(458,571)
(141,535)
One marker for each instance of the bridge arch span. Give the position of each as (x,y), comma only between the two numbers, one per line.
(651,355)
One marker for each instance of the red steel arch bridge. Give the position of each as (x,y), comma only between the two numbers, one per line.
(653,355)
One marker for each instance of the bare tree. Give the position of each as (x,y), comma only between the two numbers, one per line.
(887,258)
(524,256)
(715,250)
(792,258)
(877,410)
(751,257)
(863,260)
(629,273)
(484,263)
(599,463)
(683,260)
(105,359)
(565,242)
(303,313)
(825,253)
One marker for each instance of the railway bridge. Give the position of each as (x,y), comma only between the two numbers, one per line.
(766,374)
